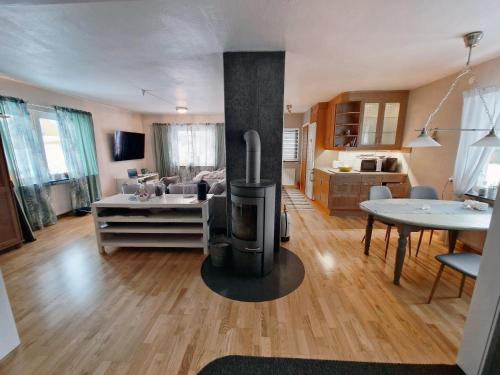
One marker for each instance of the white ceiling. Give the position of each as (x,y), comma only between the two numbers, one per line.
(109,50)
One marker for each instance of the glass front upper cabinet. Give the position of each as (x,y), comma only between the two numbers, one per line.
(380,124)
(390,124)
(367,120)
(370,119)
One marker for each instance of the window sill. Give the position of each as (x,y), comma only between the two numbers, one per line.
(59,182)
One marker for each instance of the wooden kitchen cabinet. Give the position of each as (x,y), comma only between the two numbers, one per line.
(344,191)
(321,187)
(370,120)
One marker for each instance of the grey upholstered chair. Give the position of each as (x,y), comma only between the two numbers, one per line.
(379,192)
(382,192)
(465,263)
(423,192)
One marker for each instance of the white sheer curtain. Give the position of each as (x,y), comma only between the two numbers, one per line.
(471,162)
(192,148)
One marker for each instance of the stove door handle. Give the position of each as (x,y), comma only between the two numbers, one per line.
(250,250)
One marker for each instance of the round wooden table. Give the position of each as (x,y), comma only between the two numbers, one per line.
(411,215)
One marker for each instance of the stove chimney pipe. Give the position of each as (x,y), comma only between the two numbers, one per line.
(252,139)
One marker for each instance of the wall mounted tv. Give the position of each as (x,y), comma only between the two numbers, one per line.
(128,146)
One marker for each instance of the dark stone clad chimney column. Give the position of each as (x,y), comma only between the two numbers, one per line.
(253,99)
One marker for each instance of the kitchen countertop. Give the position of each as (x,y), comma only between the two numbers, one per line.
(336,171)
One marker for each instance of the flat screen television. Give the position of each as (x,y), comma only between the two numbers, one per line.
(128,146)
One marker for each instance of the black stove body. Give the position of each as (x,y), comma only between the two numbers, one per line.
(252,216)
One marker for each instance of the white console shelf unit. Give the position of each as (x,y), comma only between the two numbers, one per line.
(168,221)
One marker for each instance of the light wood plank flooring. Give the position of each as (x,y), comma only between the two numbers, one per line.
(149,312)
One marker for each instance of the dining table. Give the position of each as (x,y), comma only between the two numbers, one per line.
(413,215)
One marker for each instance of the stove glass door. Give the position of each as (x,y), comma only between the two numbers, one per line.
(247,222)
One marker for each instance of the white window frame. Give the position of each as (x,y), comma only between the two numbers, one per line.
(295,148)
(36,115)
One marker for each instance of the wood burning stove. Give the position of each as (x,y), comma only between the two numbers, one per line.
(252,216)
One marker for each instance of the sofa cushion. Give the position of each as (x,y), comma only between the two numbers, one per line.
(217,188)
(183,188)
(170,180)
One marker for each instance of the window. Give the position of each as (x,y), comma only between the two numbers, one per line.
(290,144)
(49,132)
(196,145)
(492,175)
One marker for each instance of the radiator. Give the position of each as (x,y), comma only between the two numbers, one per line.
(288,176)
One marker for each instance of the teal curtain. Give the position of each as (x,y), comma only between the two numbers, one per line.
(78,142)
(162,161)
(28,170)
(220,146)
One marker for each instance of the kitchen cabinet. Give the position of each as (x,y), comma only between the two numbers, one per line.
(337,191)
(370,120)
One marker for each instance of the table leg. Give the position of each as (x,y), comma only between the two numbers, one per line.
(452,240)
(404,232)
(368,234)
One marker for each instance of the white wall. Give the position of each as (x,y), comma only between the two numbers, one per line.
(485,303)
(9,339)
(106,119)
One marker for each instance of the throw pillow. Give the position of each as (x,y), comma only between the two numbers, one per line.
(217,189)
(170,180)
(200,175)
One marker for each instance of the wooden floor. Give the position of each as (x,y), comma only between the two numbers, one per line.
(148,311)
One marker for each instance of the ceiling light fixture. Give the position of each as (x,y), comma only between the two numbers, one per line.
(424,139)
(179,109)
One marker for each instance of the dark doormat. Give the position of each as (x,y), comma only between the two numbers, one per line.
(286,276)
(243,365)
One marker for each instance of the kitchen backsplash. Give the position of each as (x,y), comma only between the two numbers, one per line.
(348,157)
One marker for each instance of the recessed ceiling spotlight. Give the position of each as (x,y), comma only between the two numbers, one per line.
(181,109)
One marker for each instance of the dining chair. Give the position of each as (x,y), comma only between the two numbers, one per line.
(465,263)
(383,192)
(423,192)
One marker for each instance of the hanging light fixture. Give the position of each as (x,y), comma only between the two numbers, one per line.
(424,139)
(181,109)
(490,140)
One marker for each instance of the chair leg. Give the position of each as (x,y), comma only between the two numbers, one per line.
(430,237)
(387,231)
(462,283)
(409,243)
(419,242)
(440,272)
(363,239)
(387,239)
